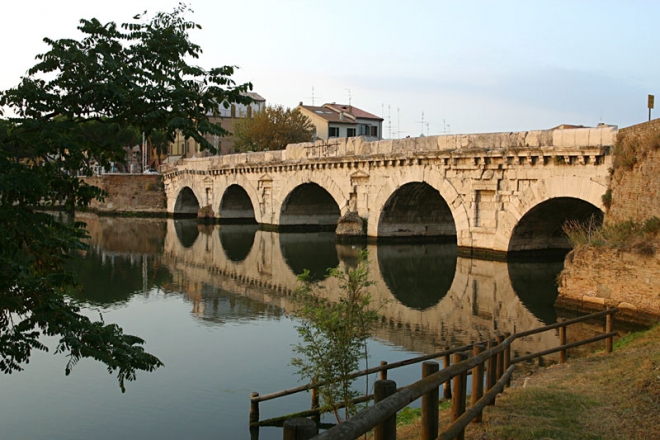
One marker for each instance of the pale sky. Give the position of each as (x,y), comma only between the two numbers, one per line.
(467,66)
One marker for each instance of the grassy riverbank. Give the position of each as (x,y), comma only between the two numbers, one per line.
(599,396)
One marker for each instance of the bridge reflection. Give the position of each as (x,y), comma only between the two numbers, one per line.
(428,296)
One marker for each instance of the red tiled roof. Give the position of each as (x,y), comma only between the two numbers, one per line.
(328,114)
(358,113)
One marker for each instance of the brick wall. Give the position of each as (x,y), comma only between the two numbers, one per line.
(130,194)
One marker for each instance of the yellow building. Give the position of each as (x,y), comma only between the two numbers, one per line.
(182,147)
(342,121)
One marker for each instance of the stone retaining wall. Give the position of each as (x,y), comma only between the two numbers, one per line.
(636,192)
(130,194)
(597,277)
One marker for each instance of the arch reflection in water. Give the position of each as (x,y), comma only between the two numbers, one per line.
(316,252)
(187,231)
(419,275)
(535,283)
(237,240)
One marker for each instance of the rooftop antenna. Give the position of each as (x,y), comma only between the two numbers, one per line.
(398,123)
(349,96)
(389,121)
(422,122)
(427,128)
(312,96)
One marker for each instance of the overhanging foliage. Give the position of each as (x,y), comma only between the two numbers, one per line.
(77,103)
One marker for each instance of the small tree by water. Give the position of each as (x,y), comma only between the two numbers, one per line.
(334,334)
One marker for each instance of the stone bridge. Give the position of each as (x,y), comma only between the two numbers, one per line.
(498,192)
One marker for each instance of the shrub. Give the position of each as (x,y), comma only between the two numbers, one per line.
(629,148)
(607,199)
(639,237)
(652,226)
(334,334)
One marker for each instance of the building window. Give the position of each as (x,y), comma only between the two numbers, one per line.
(374,131)
(350,132)
(333,131)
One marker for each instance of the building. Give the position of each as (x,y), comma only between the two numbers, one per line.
(226,117)
(341,121)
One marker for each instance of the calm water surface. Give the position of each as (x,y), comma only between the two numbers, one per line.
(212,304)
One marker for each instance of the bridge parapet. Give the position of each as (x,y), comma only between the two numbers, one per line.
(560,142)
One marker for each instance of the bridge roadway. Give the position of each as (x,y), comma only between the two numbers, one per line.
(473,302)
(498,192)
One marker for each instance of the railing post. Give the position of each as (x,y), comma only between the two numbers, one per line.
(477,381)
(490,372)
(383,373)
(446,362)
(430,404)
(507,358)
(500,359)
(460,390)
(254,417)
(562,341)
(609,324)
(387,429)
(299,428)
(254,409)
(315,405)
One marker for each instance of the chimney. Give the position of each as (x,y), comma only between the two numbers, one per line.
(300,103)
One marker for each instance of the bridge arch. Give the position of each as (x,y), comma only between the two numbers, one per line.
(448,207)
(302,197)
(187,203)
(236,205)
(535,218)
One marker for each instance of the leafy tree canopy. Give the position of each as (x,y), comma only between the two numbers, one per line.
(83,99)
(273,128)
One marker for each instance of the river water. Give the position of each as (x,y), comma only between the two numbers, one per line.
(212,303)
